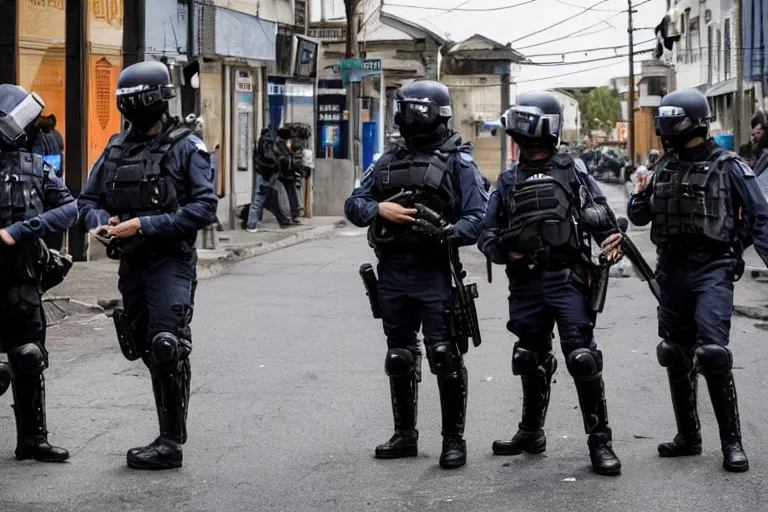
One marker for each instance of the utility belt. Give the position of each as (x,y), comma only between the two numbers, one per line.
(697,258)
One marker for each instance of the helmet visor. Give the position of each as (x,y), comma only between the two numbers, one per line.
(531,122)
(673,121)
(131,99)
(414,111)
(14,123)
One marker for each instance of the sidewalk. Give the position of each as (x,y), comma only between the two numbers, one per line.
(91,287)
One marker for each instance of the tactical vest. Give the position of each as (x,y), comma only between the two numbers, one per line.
(22,177)
(136,181)
(691,203)
(429,173)
(542,210)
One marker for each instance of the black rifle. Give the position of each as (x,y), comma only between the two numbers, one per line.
(636,258)
(465,323)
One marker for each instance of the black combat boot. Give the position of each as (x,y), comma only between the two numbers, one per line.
(405,397)
(171,391)
(682,384)
(29,408)
(6,376)
(530,435)
(594,411)
(722,391)
(453,403)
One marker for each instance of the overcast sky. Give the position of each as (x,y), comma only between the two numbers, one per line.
(608,29)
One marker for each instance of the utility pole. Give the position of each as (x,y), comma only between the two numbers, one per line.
(191,49)
(504,107)
(739,103)
(631,105)
(353,88)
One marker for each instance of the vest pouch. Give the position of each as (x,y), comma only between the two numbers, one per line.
(128,190)
(164,193)
(556,233)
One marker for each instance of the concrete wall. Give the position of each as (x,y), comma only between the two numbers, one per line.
(332,182)
(474,97)
(272,10)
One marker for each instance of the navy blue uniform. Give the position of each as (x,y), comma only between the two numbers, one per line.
(24,324)
(697,287)
(158,266)
(414,286)
(541,297)
(536,212)
(700,232)
(36,205)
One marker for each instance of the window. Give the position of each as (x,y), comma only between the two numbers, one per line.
(727,48)
(719,47)
(693,38)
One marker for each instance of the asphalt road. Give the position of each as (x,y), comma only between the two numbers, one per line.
(290,398)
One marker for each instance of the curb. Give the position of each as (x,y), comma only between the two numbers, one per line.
(59,309)
(207,269)
(754,312)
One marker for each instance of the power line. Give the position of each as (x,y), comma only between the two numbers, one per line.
(462,4)
(574,33)
(447,10)
(586,10)
(556,63)
(567,74)
(582,7)
(594,68)
(585,50)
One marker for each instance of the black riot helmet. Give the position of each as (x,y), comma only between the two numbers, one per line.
(19,110)
(683,116)
(422,111)
(535,122)
(143,91)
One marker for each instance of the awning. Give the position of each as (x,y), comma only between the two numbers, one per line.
(244,36)
(725,87)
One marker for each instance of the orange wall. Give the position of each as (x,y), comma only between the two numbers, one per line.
(105,36)
(41,54)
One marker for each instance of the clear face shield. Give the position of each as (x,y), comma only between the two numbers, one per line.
(410,111)
(134,99)
(531,122)
(14,123)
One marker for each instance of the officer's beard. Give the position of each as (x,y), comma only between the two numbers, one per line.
(418,140)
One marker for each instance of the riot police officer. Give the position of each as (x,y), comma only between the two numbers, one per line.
(414,277)
(33,203)
(536,225)
(147,196)
(704,206)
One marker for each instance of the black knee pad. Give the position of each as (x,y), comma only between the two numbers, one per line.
(167,350)
(671,355)
(526,362)
(400,362)
(444,358)
(713,359)
(29,358)
(585,364)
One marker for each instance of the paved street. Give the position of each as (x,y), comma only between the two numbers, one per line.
(290,398)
